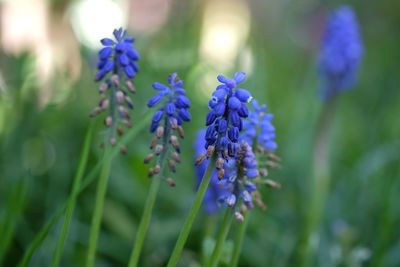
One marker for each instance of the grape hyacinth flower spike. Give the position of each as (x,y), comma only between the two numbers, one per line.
(341,52)
(167,124)
(260,134)
(339,61)
(224,121)
(117,67)
(240,183)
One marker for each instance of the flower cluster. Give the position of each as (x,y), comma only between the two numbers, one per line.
(341,52)
(214,190)
(168,119)
(240,181)
(117,56)
(116,68)
(224,121)
(259,129)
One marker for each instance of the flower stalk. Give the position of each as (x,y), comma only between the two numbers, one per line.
(184,233)
(223,233)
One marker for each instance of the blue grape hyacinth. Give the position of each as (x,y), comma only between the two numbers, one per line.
(116,68)
(224,121)
(240,181)
(258,128)
(118,56)
(214,190)
(167,120)
(341,52)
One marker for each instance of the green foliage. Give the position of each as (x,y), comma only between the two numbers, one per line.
(40,148)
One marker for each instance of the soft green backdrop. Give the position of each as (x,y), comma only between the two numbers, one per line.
(40,144)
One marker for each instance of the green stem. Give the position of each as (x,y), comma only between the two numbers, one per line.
(319,184)
(98,211)
(43,232)
(72,200)
(209,230)
(183,235)
(239,241)
(145,221)
(223,233)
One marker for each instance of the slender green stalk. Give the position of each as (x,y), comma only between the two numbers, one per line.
(183,235)
(209,230)
(74,194)
(145,221)
(98,211)
(319,185)
(43,232)
(241,231)
(223,233)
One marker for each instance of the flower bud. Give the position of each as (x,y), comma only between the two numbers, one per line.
(176,157)
(130,86)
(210,151)
(148,158)
(129,102)
(108,121)
(160,131)
(200,159)
(153,142)
(175,142)
(159,148)
(171,165)
(115,80)
(171,182)
(157,169)
(103,88)
(123,149)
(181,132)
(120,131)
(263,172)
(113,141)
(104,104)
(120,96)
(272,184)
(219,164)
(95,111)
(221,173)
(239,216)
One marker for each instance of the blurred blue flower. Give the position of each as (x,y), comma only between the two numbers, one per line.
(259,128)
(118,56)
(214,190)
(166,120)
(341,52)
(224,121)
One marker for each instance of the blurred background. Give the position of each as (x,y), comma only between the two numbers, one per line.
(48,53)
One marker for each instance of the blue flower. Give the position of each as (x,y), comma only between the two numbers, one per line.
(341,52)
(239,182)
(227,110)
(116,67)
(169,117)
(259,128)
(118,56)
(214,190)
